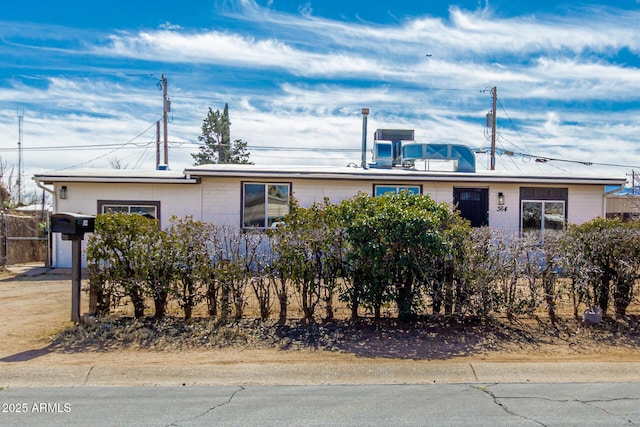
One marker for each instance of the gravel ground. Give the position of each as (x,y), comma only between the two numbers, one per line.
(426,339)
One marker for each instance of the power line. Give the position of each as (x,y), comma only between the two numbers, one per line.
(185,145)
(110,152)
(514,128)
(308,149)
(129,145)
(75,147)
(545,159)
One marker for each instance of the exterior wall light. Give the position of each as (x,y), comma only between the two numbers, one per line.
(63,192)
(500,199)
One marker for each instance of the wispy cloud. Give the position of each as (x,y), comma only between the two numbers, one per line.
(296,79)
(461,49)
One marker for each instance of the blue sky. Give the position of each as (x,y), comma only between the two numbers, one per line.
(84,77)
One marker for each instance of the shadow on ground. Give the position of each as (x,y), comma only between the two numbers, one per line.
(34,273)
(366,338)
(27,355)
(419,341)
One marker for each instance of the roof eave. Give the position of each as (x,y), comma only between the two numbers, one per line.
(50,180)
(434,177)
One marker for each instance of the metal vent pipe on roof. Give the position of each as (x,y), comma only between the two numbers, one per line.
(365,113)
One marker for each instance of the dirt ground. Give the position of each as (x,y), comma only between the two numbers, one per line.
(35,309)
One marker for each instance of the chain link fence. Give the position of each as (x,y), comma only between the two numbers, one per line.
(24,237)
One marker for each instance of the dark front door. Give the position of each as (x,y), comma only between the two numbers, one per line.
(473,204)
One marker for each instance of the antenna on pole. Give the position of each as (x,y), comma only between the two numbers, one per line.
(20,166)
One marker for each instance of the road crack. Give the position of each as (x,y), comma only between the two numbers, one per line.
(213,408)
(591,403)
(504,407)
(594,404)
(86,378)
(474,372)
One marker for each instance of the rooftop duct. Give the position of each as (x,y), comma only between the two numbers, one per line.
(389,151)
(466,159)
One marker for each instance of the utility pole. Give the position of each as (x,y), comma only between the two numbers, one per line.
(158,145)
(494,95)
(166,107)
(633,181)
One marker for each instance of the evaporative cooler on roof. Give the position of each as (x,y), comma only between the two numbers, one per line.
(395,135)
(388,154)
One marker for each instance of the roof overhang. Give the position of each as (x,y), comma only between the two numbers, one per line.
(399,175)
(194,174)
(116,176)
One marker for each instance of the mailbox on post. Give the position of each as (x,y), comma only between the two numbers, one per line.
(72,227)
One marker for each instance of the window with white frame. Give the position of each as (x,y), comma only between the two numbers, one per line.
(264,204)
(543,208)
(543,215)
(149,209)
(380,189)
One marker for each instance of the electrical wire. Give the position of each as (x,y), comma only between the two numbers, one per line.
(109,152)
(513,125)
(75,147)
(546,159)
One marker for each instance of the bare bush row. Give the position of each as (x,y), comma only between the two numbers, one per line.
(402,251)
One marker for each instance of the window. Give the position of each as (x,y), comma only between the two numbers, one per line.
(264,204)
(470,196)
(379,190)
(542,215)
(146,208)
(543,208)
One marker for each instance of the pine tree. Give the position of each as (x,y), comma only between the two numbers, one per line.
(216,137)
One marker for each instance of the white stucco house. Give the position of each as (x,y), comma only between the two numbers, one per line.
(253,196)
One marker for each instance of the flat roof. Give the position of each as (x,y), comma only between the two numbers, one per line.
(192,175)
(394,174)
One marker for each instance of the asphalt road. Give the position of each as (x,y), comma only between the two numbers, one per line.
(549,404)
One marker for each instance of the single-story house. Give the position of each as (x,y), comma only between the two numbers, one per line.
(255,196)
